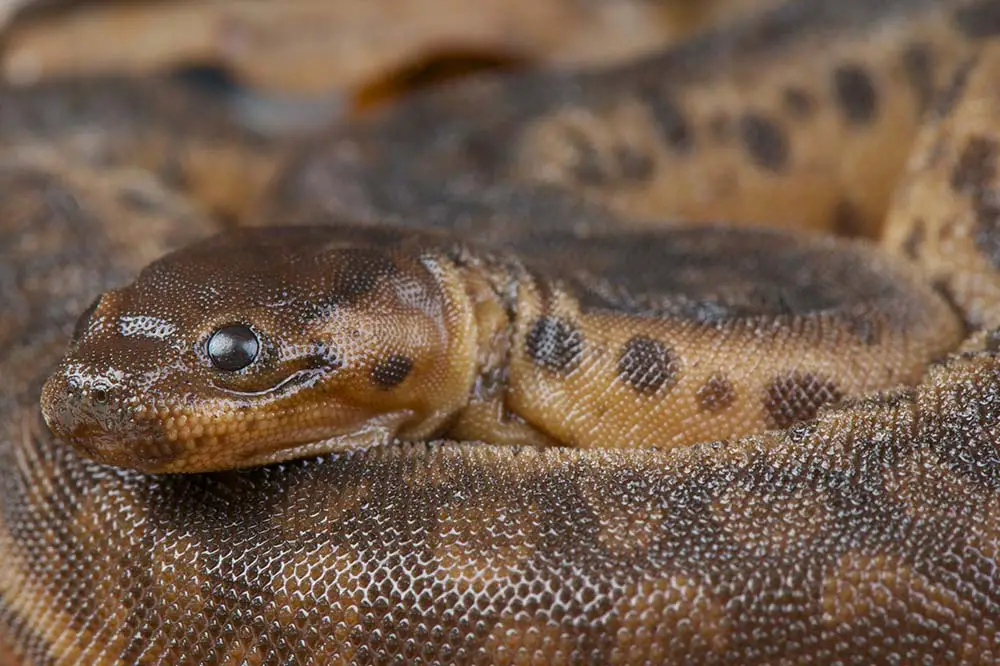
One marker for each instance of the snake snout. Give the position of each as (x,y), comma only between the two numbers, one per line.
(76,408)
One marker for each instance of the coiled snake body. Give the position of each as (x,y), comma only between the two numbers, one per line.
(777,447)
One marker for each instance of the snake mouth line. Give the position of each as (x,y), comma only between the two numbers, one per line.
(296,379)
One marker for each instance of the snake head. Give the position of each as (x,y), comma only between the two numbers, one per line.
(262,345)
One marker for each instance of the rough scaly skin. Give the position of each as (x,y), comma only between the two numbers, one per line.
(364,334)
(183,135)
(871,534)
(802,117)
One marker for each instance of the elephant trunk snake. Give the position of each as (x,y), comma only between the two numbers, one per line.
(549,368)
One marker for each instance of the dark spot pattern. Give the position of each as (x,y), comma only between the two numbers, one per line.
(914,242)
(992,342)
(797,397)
(974,175)
(634,166)
(953,91)
(648,365)
(359,271)
(855,93)
(673,126)
(391,372)
(848,220)
(716,394)
(980,19)
(976,166)
(942,287)
(764,141)
(720,127)
(798,102)
(554,344)
(918,64)
(587,169)
(987,233)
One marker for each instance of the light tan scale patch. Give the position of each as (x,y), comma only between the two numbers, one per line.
(98,601)
(668,621)
(304,581)
(941,215)
(526,641)
(785,524)
(479,544)
(303,584)
(823,167)
(865,591)
(590,404)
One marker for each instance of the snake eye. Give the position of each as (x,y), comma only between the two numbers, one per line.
(233,348)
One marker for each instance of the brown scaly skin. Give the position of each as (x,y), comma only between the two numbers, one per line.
(871,534)
(802,117)
(156,124)
(362,334)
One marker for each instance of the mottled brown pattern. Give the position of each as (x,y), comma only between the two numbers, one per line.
(797,397)
(554,344)
(918,62)
(392,371)
(978,19)
(474,138)
(765,141)
(716,394)
(869,534)
(799,102)
(976,166)
(856,93)
(648,365)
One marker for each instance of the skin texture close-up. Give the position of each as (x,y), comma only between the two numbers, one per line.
(627,434)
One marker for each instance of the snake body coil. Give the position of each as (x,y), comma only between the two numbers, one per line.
(859,523)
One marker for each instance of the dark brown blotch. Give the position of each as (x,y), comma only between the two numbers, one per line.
(674,128)
(648,365)
(390,372)
(798,102)
(720,127)
(554,344)
(976,167)
(633,165)
(797,397)
(765,141)
(980,19)
(587,169)
(856,95)
(992,341)
(359,271)
(848,220)
(954,90)
(918,64)
(716,394)
(914,242)
(987,233)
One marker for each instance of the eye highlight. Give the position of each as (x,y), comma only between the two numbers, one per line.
(233,348)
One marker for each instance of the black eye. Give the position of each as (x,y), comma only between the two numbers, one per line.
(83,323)
(233,347)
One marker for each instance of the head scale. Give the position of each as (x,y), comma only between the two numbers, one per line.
(261,345)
